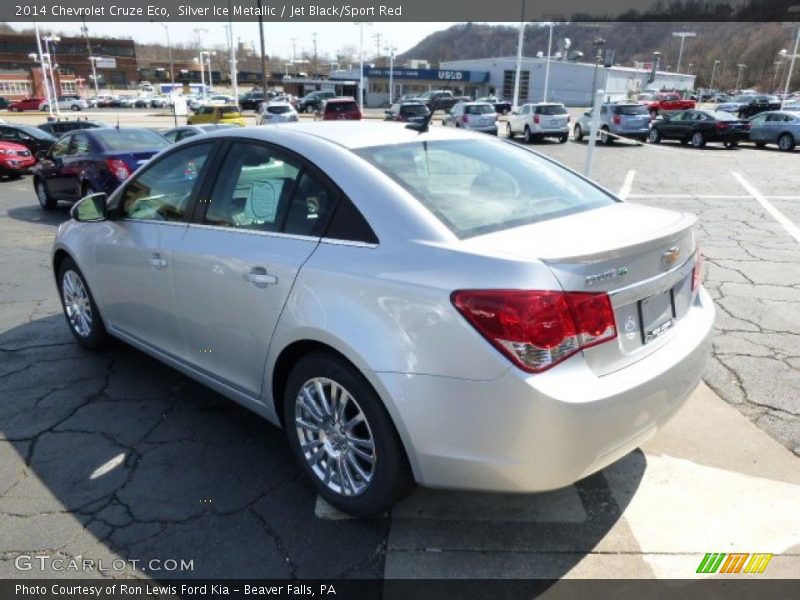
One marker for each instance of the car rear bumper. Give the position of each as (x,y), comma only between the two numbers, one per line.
(528,433)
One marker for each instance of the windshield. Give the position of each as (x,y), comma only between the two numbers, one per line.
(414,109)
(131,140)
(475,187)
(631,109)
(35,132)
(479,109)
(279,110)
(720,115)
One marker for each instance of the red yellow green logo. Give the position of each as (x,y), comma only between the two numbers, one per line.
(719,562)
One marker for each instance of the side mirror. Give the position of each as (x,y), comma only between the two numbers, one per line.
(90,208)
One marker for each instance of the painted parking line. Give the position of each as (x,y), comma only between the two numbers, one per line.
(691,196)
(790,227)
(625,190)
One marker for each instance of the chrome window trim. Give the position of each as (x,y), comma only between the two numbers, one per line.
(278,234)
(338,242)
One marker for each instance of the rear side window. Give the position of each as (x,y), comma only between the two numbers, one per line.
(349,224)
(476,187)
(551,110)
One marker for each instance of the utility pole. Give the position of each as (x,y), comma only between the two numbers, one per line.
(85,31)
(791,66)
(294,49)
(314,37)
(547,65)
(391,50)
(44,70)
(234,77)
(713,72)
(377,38)
(683,35)
(741,68)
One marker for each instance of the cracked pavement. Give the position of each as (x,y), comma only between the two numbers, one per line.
(112,455)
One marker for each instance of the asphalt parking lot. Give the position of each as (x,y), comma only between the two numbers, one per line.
(114,456)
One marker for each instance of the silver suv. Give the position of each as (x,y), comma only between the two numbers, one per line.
(476,116)
(628,120)
(538,121)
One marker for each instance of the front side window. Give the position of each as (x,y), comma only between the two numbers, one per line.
(163,190)
(476,187)
(59,149)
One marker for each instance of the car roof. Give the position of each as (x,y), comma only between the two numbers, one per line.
(546,103)
(342,99)
(351,134)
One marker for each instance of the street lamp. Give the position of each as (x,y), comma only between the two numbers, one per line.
(205,59)
(93,60)
(713,72)
(361,64)
(598,44)
(683,35)
(40,58)
(784,54)
(741,67)
(51,60)
(547,64)
(169,49)
(391,50)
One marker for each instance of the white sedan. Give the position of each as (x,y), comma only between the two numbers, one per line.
(75,104)
(433,306)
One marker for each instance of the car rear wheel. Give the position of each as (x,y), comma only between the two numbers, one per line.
(509,131)
(577,133)
(526,135)
(698,140)
(786,142)
(79,307)
(342,436)
(563,138)
(654,136)
(309,109)
(731,145)
(75,107)
(760,144)
(605,136)
(15,109)
(45,200)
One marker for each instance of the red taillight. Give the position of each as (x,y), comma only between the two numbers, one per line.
(538,329)
(465,118)
(697,272)
(118,168)
(721,125)
(617,119)
(536,119)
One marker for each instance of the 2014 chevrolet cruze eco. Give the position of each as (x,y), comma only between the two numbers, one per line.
(440,307)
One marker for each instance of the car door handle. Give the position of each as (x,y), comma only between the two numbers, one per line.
(157,262)
(259,277)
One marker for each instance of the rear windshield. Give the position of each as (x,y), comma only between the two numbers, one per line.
(340,107)
(631,109)
(551,110)
(35,132)
(119,140)
(721,115)
(475,187)
(279,110)
(414,109)
(479,109)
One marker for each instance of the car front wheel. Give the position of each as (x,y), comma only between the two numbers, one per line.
(79,307)
(45,200)
(526,135)
(654,136)
(509,131)
(698,140)
(577,133)
(342,436)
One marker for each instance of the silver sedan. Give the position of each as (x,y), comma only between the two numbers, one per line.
(780,127)
(441,307)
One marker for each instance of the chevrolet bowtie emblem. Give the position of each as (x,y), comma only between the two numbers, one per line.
(671,256)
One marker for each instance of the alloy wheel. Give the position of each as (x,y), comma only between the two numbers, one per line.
(77,306)
(335,438)
(786,142)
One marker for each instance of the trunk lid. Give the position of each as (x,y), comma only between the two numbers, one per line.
(642,257)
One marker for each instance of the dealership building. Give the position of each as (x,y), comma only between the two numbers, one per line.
(569,82)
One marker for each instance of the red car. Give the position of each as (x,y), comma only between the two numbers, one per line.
(15,159)
(336,109)
(665,102)
(26,104)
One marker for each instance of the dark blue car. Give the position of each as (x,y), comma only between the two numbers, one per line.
(91,160)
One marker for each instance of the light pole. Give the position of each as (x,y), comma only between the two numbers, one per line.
(234,78)
(598,44)
(361,65)
(391,50)
(93,60)
(713,72)
(169,49)
(547,64)
(683,35)
(51,59)
(784,54)
(741,67)
(205,58)
(515,102)
(40,58)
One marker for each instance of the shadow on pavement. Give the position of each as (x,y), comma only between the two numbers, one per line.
(33,213)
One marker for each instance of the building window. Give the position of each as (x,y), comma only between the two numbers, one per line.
(15,88)
(379,87)
(68,87)
(508,85)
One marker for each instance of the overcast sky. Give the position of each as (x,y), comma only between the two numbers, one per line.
(278,36)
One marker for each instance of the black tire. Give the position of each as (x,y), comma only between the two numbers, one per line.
(46,201)
(698,139)
(75,107)
(96,335)
(684,141)
(526,135)
(654,136)
(390,474)
(605,136)
(731,145)
(309,109)
(577,133)
(786,142)
(760,144)
(15,109)
(509,132)
(563,138)
(14,175)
